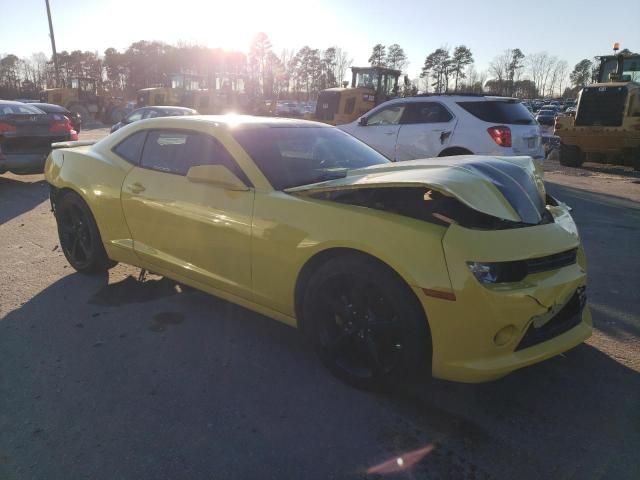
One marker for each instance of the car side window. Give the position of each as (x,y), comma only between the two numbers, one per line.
(176,151)
(151,114)
(426,112)
(131,147)
(390,115)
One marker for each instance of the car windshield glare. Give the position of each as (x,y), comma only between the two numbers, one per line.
(19,109)
(293,156)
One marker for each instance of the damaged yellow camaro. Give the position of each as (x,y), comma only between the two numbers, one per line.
(461,267)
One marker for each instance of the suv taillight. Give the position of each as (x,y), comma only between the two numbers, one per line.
(6,128)
(501,135)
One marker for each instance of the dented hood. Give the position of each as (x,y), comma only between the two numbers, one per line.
(510,188)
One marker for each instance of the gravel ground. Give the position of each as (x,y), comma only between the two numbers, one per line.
(110,378)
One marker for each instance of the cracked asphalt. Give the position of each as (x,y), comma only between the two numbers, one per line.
(109,378)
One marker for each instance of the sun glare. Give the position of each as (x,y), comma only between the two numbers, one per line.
(227,24)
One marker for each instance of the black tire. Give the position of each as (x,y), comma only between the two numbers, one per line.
(367,327)
(450,152)
(85,116)
(79,235)
(571,156)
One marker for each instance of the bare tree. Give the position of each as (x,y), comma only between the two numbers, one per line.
(541,66)
(499,69)
(505,68)
(563,72)
(343,62)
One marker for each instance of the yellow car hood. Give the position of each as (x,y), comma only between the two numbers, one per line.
(509,188)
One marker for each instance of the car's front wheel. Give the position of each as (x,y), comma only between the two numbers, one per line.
(79,236)
(367,326)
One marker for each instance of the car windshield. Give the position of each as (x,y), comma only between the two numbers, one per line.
(294,156)
(51,108)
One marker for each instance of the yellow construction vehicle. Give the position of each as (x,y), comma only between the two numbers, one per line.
(606,124)
(80,95)
(221,94)
(370,86)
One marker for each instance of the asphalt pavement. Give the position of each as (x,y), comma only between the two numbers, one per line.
(106,377)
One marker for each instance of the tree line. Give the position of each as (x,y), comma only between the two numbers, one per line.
(292,74)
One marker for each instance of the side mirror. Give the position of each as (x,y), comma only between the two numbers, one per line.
(363,121)
(217,175)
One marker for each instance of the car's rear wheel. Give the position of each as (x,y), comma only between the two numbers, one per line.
(85,116)
(450,152)
(79,236)
(367,326)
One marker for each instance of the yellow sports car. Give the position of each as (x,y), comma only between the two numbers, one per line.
(462,267)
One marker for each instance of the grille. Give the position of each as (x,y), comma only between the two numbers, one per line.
(551,262)
(327,105)
(568,317)
(601,106)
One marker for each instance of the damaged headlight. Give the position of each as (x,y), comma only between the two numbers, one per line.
(498,272)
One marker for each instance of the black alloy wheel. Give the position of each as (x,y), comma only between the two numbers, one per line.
(366,327)
(79,236)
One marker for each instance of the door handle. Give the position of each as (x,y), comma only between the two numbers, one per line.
(136,187)
(389,133)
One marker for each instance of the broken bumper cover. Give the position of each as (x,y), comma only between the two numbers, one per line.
(489,330)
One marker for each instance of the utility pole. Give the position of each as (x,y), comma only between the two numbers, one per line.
(53,45)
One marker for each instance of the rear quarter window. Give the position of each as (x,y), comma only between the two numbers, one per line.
(131,147)
(499,111)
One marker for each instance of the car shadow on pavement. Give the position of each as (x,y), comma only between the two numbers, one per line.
(179,384)
(19,195)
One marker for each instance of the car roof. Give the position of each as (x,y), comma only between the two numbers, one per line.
(52,106)
(453,98)
(233,121)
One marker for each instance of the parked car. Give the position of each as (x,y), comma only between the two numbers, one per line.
(467,271)
(152,112)
(74,117)
(289,109)
(444,125)
(26,135)
(546,117)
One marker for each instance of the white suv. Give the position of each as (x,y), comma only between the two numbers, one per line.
(443,125)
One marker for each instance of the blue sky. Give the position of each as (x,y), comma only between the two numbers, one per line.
(569,29)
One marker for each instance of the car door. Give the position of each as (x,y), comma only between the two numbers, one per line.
(381,128)
(426,129)
(198,230)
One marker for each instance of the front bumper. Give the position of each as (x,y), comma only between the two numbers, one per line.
(487,331)
(605,140)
